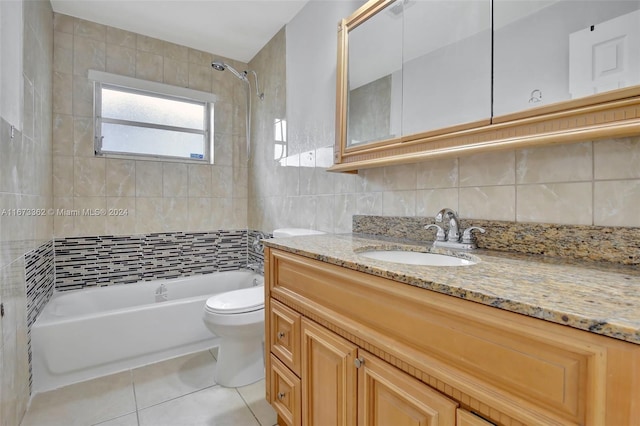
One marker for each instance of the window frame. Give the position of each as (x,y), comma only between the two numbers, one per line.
(125,84)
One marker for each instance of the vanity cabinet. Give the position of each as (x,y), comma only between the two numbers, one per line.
(373,351)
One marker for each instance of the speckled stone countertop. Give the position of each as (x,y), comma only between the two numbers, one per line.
(602,299)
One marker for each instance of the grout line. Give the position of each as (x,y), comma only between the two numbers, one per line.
(248,406)
(135,398)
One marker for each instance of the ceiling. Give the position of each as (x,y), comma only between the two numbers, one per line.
(235,29)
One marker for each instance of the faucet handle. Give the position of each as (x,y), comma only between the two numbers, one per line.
(467,237)
(440,235)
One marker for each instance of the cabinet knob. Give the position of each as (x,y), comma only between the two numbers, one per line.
(281,395)
(359,362)
(281,334)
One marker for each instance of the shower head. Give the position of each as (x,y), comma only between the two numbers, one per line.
(221,66)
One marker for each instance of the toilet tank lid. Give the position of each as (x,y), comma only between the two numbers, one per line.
(294,232)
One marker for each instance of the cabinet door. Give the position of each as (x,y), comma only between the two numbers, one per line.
(328,377)
(388,396)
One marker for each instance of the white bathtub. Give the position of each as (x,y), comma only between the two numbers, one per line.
(83,334)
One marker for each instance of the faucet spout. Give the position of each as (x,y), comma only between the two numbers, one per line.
(453,233)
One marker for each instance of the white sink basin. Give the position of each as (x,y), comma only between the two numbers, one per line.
(416,258)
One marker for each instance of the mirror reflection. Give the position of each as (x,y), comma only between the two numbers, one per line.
(549,51)
(446,69)
(375,78)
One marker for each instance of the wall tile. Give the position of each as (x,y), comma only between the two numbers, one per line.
(175,52)
(62,87)
(345,206)
(88,54)
(118,37)
(369,203)
(63,182)
(200,77)
(430,201)
(175,180)
(121,219)
(617,158)
(150,44)
(90,223)
(82,97)
(62,134)
(565,203)
(121,178)
(149,66)
(175,211)
(492,168)
(120,60)
(90,30)
(200,181)
(617,203)
(557,163)
(149,179)
(89,177)
(63,23)
(399,203)
(490,202)
(83,137)
(441,173)
(200,215)
(149,214)
(176,73)
(201,58)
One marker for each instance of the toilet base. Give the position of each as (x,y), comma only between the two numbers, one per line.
(240,362)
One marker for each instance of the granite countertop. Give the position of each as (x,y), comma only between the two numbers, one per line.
(602,299)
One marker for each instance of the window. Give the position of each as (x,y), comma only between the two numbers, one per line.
(140,118)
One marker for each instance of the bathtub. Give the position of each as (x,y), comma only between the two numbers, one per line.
(83,334)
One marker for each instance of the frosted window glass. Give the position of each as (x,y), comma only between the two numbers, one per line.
(143,140)
(120,105)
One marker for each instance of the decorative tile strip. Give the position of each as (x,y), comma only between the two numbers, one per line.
(98,261)
(591,243)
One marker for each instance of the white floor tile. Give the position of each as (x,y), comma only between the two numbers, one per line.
(170,379)
(83,404)
(215,406)
(254,395)
(128,420)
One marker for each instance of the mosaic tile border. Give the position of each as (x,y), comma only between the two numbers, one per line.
(103,260)
(591,243)
(39,277)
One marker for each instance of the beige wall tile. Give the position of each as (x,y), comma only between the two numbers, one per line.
(567,203)
(345,206)
(326,211)
(62,87)
(149,214)
(89,176)
(90,29)
(200,214)
(441,173)
(175,213)
(118,37)
(175,180)
(492,168)
(150,44)
(487,202)
(617,203)
(399,203)
(82,97)
(88,54)
(63,176)
(240,182)
(149,179)
(63,59)
(149,66)
(121,178)
(222,213)
(120,60)
(63,23)
(176,52)
(199,57)
(83,137)
(87,224)
(62,134)
(369,203)
(176,73)
(200,181)
(200,77)
(121,218)
(63,224)
(223,149)
(617,158)
(62,40)
(557,163)
(400,177)
(430,201)
(239,213)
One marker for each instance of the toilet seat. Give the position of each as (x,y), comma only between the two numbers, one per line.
(236,301)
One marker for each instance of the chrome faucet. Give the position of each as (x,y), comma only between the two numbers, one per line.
(453,233)
(451,237)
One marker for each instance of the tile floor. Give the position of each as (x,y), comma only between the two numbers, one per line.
(176,392)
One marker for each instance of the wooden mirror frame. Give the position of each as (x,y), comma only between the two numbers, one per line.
(610,114)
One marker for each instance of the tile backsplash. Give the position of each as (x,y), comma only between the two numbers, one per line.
(103,260)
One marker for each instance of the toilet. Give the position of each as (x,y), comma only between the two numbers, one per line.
(237,317)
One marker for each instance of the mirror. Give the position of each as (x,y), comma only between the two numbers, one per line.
(419,79)
(548,51)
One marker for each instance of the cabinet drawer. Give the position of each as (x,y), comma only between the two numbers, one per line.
(285,391)
(285,335)
(466,418)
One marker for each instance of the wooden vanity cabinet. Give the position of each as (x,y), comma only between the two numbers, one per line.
(373,351)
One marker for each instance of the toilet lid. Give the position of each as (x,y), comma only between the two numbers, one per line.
(237,301)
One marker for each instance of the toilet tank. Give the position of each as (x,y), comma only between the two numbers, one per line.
(294,232)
